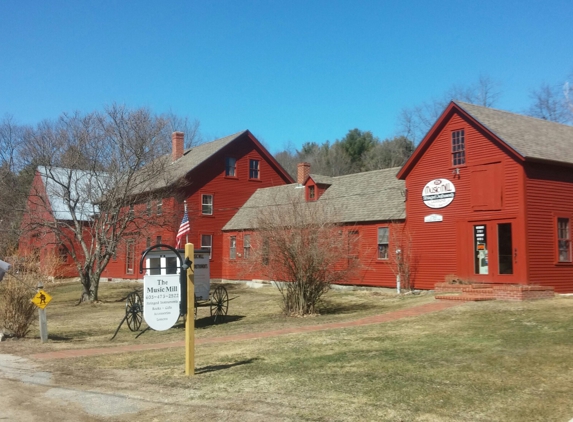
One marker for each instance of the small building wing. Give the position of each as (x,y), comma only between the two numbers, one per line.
(370,196)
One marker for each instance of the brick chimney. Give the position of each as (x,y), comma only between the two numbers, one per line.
(302,172)
(177,142)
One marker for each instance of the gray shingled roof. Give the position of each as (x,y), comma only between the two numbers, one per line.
(84,188)
(191,159)
(370,196)
(319,179)
(528,136)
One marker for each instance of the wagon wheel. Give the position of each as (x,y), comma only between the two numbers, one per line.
(133,311)
(219,304)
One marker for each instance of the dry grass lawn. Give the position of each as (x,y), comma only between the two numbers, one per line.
(488,361)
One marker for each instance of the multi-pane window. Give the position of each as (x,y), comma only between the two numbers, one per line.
(382,242)
(254,172)
(158,240)
(149,207)
(207,204)
(230,167)
(265,255)
(159,206)
(311,192)
(353,244)
(130,257)
(458,148)
(233,247)
(207,243)
(63,253)
(148,242)
(564,240)
(246,246)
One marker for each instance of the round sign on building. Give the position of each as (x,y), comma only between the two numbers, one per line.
(438,193)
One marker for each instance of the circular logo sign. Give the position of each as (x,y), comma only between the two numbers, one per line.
(438,193)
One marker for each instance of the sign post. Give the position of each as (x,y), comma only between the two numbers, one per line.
(190,323)
(41,300)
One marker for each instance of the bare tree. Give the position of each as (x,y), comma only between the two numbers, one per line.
(415,122)
(302,247)
(15,183)
(550,102)
(388,153)
(98,169)
(189,127)
(403,260)
(568,92)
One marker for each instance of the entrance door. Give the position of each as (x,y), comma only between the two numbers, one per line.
(494,255)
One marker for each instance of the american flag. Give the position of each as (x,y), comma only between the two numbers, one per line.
(184,229)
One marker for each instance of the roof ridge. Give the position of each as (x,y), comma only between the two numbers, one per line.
(525,116)
(366,172)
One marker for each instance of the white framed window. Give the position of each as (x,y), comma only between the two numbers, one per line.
(247,246)
(207,204)
(159,206)
(382,242)
(130,257)
(207,243)
(458,148)
(254,169)
(233,247)
(230,167)
(563,240)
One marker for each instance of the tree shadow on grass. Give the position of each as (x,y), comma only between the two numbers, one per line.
(56,337)
(329,308)
(209,321)
(213,368)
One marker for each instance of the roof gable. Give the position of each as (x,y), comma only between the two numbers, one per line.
(194,157)
(527,137)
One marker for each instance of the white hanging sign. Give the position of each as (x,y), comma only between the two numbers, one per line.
(433,218)
(438,193)
(161,297)
(202,274)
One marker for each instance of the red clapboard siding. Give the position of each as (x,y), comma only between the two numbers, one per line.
(445,248)
(371,272)
(549,195)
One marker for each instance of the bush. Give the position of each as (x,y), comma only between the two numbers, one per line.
(17,312)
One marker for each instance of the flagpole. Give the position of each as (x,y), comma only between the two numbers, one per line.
(185,209)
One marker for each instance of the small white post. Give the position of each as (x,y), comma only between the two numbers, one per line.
(399,259)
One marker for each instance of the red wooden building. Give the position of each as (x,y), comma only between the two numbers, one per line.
(215,179)
(490,199)
(369,206)
(44,207)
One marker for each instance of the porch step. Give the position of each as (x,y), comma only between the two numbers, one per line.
(466,297)
(481,292)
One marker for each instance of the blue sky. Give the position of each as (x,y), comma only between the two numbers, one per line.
(290,71)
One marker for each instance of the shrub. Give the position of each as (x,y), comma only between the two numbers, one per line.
(17,312)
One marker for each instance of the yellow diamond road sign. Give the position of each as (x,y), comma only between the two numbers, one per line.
(41,299)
